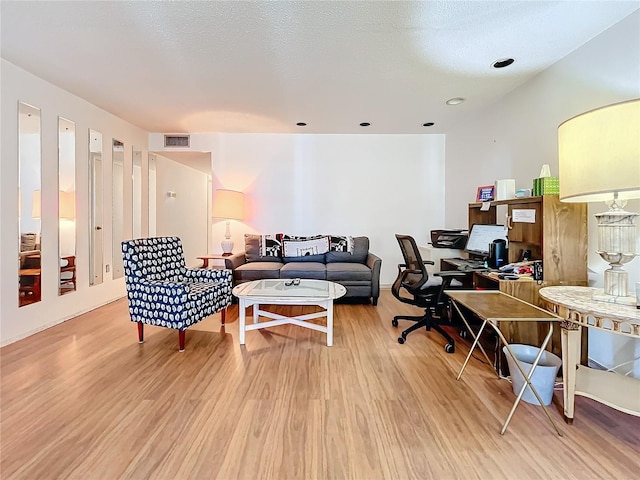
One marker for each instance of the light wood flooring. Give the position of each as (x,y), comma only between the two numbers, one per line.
(84,400)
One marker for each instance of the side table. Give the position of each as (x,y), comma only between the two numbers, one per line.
(206,258)
(578,309)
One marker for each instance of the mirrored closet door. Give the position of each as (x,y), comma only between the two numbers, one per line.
(152,194)
(96,213)
(29,204)
(117,212)
(136,156)
(67,204)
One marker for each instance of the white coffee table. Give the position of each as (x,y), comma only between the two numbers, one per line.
(278,292)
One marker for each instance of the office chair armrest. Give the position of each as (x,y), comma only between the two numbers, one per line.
(407,272)
(402,268)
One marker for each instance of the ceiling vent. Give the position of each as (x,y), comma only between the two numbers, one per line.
(176,141)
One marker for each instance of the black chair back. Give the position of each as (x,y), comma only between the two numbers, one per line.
(416,272)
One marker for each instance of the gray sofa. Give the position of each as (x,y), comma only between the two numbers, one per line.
(347,262)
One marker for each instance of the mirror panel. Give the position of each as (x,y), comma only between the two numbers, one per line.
(152,195)
(117,211)
(29,204)
(136,155)
(67,204)
(96,215)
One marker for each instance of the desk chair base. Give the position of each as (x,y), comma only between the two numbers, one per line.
(427,322)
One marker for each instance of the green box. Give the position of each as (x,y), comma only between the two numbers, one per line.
(546,186)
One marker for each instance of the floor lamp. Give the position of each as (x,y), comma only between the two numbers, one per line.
(228,205)
(599,156)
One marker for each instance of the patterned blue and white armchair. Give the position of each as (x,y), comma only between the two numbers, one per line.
(162,291)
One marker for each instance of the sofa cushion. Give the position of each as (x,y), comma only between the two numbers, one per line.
(343,271)
(304,270)
(257,271)
(359,255)
(262,248)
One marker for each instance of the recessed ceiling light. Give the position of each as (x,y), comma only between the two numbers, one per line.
(503,62)
(428,124)
(365,124)
(455,101)
(301,124)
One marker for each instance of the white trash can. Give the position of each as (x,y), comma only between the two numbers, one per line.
(544,377)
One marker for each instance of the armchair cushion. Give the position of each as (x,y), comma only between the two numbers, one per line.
(162,258)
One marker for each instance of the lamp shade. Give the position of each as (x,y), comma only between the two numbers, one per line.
(599,154)
(228,204)
(67,205)
(35,207)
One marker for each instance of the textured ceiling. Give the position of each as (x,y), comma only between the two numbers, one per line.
(264,66)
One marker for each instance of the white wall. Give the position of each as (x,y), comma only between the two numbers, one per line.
(372,185)
(184,215)
(516,136)
(18,85)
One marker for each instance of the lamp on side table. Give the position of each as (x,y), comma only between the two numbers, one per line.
(599,154)
(228,205)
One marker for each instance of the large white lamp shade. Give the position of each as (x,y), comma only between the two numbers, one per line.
(35,205)
(228,205)
(599,160)
(67,205)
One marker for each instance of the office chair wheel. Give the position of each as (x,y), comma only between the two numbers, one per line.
(400,340)
(449,348)
(464,333)
(394,322)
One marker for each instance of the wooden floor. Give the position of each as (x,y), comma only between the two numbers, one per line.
(84,400)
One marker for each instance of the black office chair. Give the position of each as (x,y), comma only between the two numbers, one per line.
(424,292)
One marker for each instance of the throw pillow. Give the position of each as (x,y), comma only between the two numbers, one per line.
(357,255)
(271,245)
(339,243)
(255,245)
(306,247)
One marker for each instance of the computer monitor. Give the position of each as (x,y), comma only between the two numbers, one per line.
(481,236)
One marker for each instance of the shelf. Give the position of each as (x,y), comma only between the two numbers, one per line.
(507,202)
(610,388)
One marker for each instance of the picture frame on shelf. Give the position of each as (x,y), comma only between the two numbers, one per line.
(485,194)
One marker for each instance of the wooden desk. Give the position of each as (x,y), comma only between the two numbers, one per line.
(516,332)
(576,307)
(446,266)
(493,307)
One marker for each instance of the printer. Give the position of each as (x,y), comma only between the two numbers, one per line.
(449,238)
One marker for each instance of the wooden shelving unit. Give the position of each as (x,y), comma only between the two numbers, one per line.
(557,236)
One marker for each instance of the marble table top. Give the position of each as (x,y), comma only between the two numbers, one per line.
(581,298)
